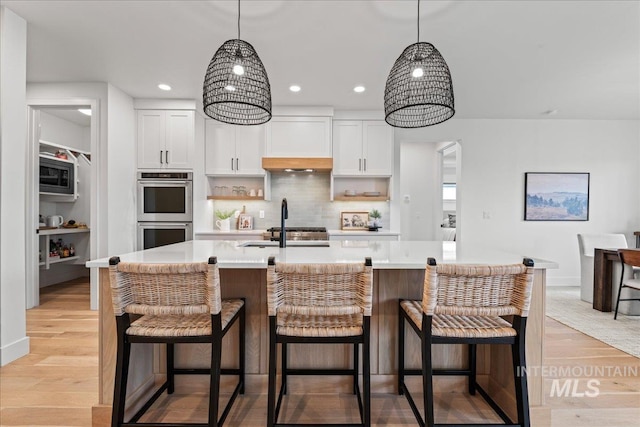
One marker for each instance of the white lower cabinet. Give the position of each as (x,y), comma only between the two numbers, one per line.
(229,235)
(363,236)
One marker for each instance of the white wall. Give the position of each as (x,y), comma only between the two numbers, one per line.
(121,175)
(497,153)
(13,161)
(63,132)
(419,181)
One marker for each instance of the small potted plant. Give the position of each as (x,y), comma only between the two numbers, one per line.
(224,221)
(375,215)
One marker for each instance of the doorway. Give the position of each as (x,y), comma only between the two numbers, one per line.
(62,137)
(449,181)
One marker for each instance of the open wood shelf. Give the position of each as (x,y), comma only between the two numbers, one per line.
(361,198)
(235,198)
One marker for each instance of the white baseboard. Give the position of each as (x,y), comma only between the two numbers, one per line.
(563,281)
(13,351)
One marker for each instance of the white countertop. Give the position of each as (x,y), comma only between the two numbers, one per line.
(384,254)
(380,232)
(234,233)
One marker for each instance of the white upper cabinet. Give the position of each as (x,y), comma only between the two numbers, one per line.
(299,137)
(165,139)
(362,148)
(234,150)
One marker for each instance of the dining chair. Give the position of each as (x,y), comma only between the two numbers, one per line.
(631,259)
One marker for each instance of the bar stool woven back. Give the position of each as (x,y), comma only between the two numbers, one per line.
(319,303)
(465,304)
(172,303)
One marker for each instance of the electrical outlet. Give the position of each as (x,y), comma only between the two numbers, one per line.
(261,214)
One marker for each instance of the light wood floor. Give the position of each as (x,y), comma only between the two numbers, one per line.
(57,383)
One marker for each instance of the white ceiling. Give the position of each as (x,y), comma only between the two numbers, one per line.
(508,59)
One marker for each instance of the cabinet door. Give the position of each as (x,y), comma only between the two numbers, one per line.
(347,148)
(179,140)
(151,139)
(250,142)
(377,148)
(220,148)
(299,137)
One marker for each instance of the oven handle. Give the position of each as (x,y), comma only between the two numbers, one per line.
(144,182)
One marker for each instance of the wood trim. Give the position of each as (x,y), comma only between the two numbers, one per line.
(318,164)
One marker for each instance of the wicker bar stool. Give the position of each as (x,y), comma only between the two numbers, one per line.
(463,304)
(319,303)
(173,303)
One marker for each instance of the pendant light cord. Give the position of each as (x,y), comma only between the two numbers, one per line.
(418,21)
(239,19)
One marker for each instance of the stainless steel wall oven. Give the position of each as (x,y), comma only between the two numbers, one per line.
(165,208)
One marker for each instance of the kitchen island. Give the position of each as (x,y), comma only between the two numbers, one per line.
(398,273)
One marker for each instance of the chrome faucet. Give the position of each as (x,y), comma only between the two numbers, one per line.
(284,214)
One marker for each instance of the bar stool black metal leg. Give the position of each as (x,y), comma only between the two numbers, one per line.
(242,350)
(122,374)
(366,372)
(427,372)
(170,368)
(271,400)
(472,368)
(520,374)
(356,367)
(400,351)
(283,356)
(214,384)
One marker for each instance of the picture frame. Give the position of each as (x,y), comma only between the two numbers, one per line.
(245,222)
(354,220)
(556,196)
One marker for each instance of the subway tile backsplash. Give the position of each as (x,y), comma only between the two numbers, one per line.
(308,200)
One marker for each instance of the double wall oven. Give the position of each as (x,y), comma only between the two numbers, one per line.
(165,203)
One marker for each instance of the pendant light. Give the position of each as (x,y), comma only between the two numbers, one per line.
(419,91)
(236,88)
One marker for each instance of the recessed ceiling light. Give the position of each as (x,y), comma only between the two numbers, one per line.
(85,111)
(164,86)
(294,88)
(358,89)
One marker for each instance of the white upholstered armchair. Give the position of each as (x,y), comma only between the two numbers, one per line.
(587,244)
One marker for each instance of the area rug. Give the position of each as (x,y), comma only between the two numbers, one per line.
(565,306)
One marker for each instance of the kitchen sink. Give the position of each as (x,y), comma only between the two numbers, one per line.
(290,244)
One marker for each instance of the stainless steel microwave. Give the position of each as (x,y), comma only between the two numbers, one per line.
(57,176)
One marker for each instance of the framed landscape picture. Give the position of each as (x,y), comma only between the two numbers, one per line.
(354,220)
(556,196)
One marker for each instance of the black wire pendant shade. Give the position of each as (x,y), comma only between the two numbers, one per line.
(419,90)
(232,97)
(236,87)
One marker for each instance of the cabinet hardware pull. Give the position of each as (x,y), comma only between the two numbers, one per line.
(160,156)
(166,157)
(359,164)
(237,167)
(232,163)
(365,165)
